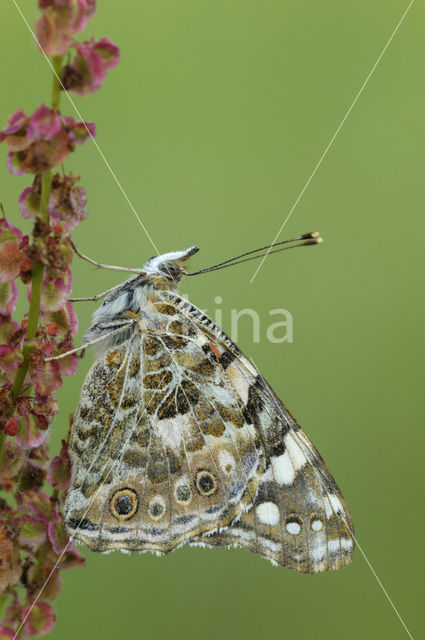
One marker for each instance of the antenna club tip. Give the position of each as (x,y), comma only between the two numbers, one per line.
(319,240)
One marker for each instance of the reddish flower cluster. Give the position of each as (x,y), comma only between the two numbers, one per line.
(87,71)
(66,203)
(34,546)
(41,141)
(60,20)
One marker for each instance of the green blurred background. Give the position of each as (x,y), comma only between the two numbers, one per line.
(213,121)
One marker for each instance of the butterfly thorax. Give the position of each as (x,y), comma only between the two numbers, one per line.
(135,302)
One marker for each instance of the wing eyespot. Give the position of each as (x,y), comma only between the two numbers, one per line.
(205,483)
(156,508)
(124,504)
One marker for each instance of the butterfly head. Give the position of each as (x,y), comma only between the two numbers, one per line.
(171,265)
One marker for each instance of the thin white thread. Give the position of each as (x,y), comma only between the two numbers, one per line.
(379,582)
(360,548)
(88,131)
(332,140)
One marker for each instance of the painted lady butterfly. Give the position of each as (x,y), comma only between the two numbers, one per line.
(178,439)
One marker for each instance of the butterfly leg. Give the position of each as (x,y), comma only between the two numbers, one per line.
(98,296)
(102,266)
(92,342)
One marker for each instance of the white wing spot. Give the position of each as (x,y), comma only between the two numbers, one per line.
(295,452)
(346,543)
(283,469)
(316,525)
(293,528)
(318,552)
(268,513)
(170,432)
(333,505)
(334,546)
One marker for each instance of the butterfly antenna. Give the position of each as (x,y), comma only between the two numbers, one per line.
(300,241)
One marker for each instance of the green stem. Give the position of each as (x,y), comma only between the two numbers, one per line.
(57,66)
(36,284)
(3,602)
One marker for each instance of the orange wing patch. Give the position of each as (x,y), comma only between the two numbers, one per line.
(217,352)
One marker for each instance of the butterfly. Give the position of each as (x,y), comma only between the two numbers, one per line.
(178,439)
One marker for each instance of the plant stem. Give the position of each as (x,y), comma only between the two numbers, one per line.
(36,284)
(57,65)
(3,601)
(38,268)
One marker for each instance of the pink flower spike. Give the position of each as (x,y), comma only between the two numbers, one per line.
(109,52)
(8,297)
(44,124)
(41,619)
(6,633)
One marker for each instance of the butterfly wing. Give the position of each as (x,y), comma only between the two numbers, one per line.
(161,450)
(299,518)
